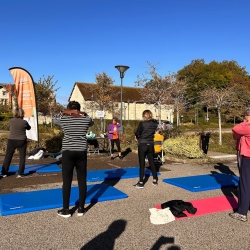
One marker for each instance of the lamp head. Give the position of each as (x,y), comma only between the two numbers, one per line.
(122,69)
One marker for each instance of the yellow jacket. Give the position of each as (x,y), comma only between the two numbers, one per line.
(158,147)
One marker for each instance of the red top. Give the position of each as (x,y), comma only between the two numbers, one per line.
(241,133)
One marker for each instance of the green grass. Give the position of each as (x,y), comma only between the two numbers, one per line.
(228,143)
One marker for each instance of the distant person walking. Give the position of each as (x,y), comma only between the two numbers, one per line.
(241,133)
(75,125)
(144,134)
(113,134)
(17,140)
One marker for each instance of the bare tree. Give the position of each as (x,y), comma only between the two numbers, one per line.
(178,97)
(217,98)
(103,95)
(155,88)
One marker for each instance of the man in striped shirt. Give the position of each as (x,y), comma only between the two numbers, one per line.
(75,125)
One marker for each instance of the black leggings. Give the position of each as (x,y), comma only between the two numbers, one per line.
(71,159)
(146,149)
(12,145)
(117,142)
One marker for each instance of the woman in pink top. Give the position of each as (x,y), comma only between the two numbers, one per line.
(241,133)
(113,134)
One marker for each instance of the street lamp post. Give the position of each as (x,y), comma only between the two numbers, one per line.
(122,70)
(92,96)
(128,112)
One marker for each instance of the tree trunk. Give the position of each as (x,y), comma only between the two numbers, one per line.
(220,134)
(177,118)
(159,114)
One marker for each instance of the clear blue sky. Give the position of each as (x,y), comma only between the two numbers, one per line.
(75,39)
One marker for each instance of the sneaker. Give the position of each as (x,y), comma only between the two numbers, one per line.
(3,175)
(20,176)
(81,211)
(155,183)
(112,158)
(64,213)
(120,157)
(139,185)
(238,216)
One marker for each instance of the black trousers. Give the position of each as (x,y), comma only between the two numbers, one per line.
(12,145)
(118,145)
(71,159)
(144,150)
(244,190)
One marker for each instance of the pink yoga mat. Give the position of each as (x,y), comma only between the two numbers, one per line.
(210,205)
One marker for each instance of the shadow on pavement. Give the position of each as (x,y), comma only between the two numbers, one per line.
(224,169)
(106,240)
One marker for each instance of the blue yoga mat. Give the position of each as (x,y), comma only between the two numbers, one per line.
(24,202)
(38,168)
(114,174)
(204,182)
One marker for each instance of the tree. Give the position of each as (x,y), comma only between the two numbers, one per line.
(198,75)
(217,98)
(5,108)
(155,88)
(104,95)
(240,100)
(178,97)
(45,96)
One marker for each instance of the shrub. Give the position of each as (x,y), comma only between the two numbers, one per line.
(54,144)
(183,146)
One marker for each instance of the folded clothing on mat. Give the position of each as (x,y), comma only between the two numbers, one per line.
(161,216)
(178,206)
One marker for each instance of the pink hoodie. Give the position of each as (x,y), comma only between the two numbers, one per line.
(241,133)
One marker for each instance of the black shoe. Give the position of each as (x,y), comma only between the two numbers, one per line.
(81,211)
(139,185)
(64,213)
(112,158)
(155,183)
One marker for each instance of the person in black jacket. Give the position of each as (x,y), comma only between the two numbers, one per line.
(144,134)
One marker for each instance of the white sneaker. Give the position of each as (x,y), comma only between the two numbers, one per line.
(19,176)
(3,175)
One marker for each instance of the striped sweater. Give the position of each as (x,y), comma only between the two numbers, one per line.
(75,129)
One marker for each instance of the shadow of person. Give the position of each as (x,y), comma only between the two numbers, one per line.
(230,189)
(112,178)
(106,240)
(162,241)
(126,152)
(224,169)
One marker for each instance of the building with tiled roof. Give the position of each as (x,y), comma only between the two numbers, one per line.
(6,94)
(132,101)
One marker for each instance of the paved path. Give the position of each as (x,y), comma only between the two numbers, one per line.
(125,225)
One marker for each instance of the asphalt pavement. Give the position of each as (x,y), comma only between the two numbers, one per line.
(125,224)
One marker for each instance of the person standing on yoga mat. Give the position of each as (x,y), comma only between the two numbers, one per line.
(144,134)
(113,134)
(75,125)
(17,140)
(241,133)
